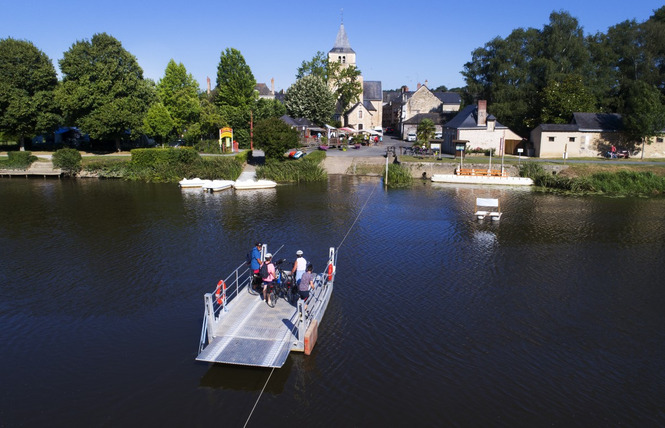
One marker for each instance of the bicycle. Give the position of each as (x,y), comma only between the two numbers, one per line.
(285,285)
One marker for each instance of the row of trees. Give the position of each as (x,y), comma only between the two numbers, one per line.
(104,94)
(544,76)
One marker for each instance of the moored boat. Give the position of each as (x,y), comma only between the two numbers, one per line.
(254,184)
(191,182)
(217,185)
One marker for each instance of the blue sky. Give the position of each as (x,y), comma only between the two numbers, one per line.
(398,43)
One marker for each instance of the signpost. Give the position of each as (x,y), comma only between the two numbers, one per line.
(225,137)
(519,156)
(460,148)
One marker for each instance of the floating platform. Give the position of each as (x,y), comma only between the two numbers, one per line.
(481,179)
(240,328)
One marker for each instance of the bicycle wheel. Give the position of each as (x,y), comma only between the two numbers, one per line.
(272,297)
(254,286)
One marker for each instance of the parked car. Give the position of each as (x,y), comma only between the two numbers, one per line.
(410,136)
(438,135)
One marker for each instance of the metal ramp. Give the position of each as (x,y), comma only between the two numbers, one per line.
(253,334)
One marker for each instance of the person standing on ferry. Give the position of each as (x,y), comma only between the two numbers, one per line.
(299,266)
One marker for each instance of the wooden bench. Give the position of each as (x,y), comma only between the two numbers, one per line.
(472,171)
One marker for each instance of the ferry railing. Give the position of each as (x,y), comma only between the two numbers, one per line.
(318,300)
(228,289)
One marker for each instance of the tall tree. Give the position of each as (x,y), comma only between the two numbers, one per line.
(103,91)
(158,122)
(309,97)
(317,66)
(27,84)
(235,81)
(265,108)
(563,98)
(178,92)
(643,112)
(425,131)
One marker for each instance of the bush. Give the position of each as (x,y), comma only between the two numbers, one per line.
(398,176)
(149,158)
(68,160)
(305,169)
(20,160)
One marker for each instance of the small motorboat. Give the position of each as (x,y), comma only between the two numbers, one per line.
(217,185)
(254,184)
(191,182)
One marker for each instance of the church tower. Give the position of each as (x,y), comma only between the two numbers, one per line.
(341,51)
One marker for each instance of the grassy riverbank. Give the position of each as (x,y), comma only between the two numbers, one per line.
(615,180)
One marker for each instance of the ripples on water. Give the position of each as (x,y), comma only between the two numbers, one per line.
(552,316)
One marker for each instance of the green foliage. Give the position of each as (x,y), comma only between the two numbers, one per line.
(235,81)
(149,158)
(425,131)
(158,122)
(399,176)
(19,160)
(228,168)
(345,82)
(27,84)
(563,98)
(68,160)
(531,170)
(103,91)
(305,169)
(265,108)
(178,91)
(317,66)
(310,98)
(644,111)
(274,137)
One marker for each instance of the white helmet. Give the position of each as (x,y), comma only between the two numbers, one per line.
(299,253)
(268,256)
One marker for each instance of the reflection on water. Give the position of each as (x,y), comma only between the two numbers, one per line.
(553,315)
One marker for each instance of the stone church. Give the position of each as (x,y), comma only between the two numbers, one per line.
(367,113)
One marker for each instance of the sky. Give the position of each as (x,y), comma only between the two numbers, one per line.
(396,42)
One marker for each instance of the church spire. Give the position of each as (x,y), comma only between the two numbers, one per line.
(342,42)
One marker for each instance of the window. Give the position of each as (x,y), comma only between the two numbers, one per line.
(343,60)
(659,139)
(571,139)
(550,139)
(360,114)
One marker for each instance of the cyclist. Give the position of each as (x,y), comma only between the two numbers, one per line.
(268,275)
(299,266)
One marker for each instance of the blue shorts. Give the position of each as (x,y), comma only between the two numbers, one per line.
(304,294)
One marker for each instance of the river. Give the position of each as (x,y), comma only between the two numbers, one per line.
(554,316)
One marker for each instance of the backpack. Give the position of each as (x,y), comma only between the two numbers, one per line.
(264,270)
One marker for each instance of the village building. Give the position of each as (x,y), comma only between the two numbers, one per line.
(588,135)
(477,129)
(404,110)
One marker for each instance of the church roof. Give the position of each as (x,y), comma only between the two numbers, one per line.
(342,42)
(372,90)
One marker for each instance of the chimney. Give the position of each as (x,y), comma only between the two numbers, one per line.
(419,85)
(272,86)
(425,82)
(482,112)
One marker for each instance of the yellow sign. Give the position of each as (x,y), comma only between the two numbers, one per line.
(226,133)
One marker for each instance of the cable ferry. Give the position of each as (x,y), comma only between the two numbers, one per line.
(240,328)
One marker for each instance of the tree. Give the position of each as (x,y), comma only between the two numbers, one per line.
(103,91)
(425,131)
(235,81)
(343,80)
(310,98)
(317,66)
(27,85)
(178,92)
(274,137)
(643,113)
(345,83)
(158,122)
(265,108)
(562,99)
